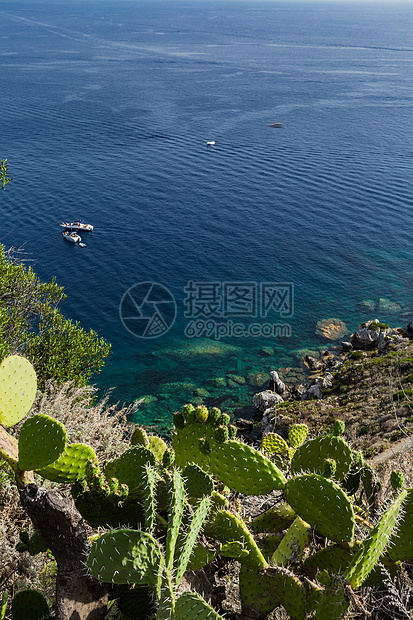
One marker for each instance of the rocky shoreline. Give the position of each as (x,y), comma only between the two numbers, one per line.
(366,382)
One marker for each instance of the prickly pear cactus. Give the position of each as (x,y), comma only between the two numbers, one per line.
(275,519)
(397,480)
(323,504)
(201,413)
(292,546)
(29,605)
(374,545)
(185,442)
(182,559)
(401,544)
(190,606)
(221,433)
(273,443)
(168,458)
(229,527)
(311,455)
(41,441)
(244,469)
(297,435)
(125,556)
(157,446)
(139,437)
(71,464)
(214,416)
(197,482)
(129,467)
(18,385)
(263,591)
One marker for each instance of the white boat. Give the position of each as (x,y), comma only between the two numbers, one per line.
(210,142)
(73,237)
(77,225)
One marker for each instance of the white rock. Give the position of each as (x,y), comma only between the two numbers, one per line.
(266,400)
(278,385)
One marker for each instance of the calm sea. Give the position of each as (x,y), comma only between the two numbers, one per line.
(106,110)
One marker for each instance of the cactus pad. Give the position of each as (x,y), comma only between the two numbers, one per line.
(263,591)
(293,544)
(322,504)
(297,435)
(229,527)
(397,480)
(29,605)
(273,443)
(157,446)
(197,482)
(244,469)
(274,520)
(401,547)
(41,441)
(221,433)
(129,467)
(71,464)
(139,437)
(125,556)
(179,420)
(185,442)
(168,458)
(311,455)
(374,545)
(191,605)
(18,385)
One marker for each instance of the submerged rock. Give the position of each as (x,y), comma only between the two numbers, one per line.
(266,351)
(199,348)
(237,379)
(388,307)
(257,379)
(332,329)
(219,382)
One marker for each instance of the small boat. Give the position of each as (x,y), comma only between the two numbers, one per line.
(275,125)
(77,225)
(73,237)
(210,142)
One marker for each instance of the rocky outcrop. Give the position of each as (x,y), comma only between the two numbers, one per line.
(314,363)
(374,334)
(263,401)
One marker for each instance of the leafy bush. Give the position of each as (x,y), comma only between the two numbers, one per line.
(30,321)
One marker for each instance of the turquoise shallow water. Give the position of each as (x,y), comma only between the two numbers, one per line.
(106,110)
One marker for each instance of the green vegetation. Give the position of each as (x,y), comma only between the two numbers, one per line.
(307,553)
(30,321)
(4,169)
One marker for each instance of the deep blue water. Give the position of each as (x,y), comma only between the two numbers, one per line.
(106,108)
